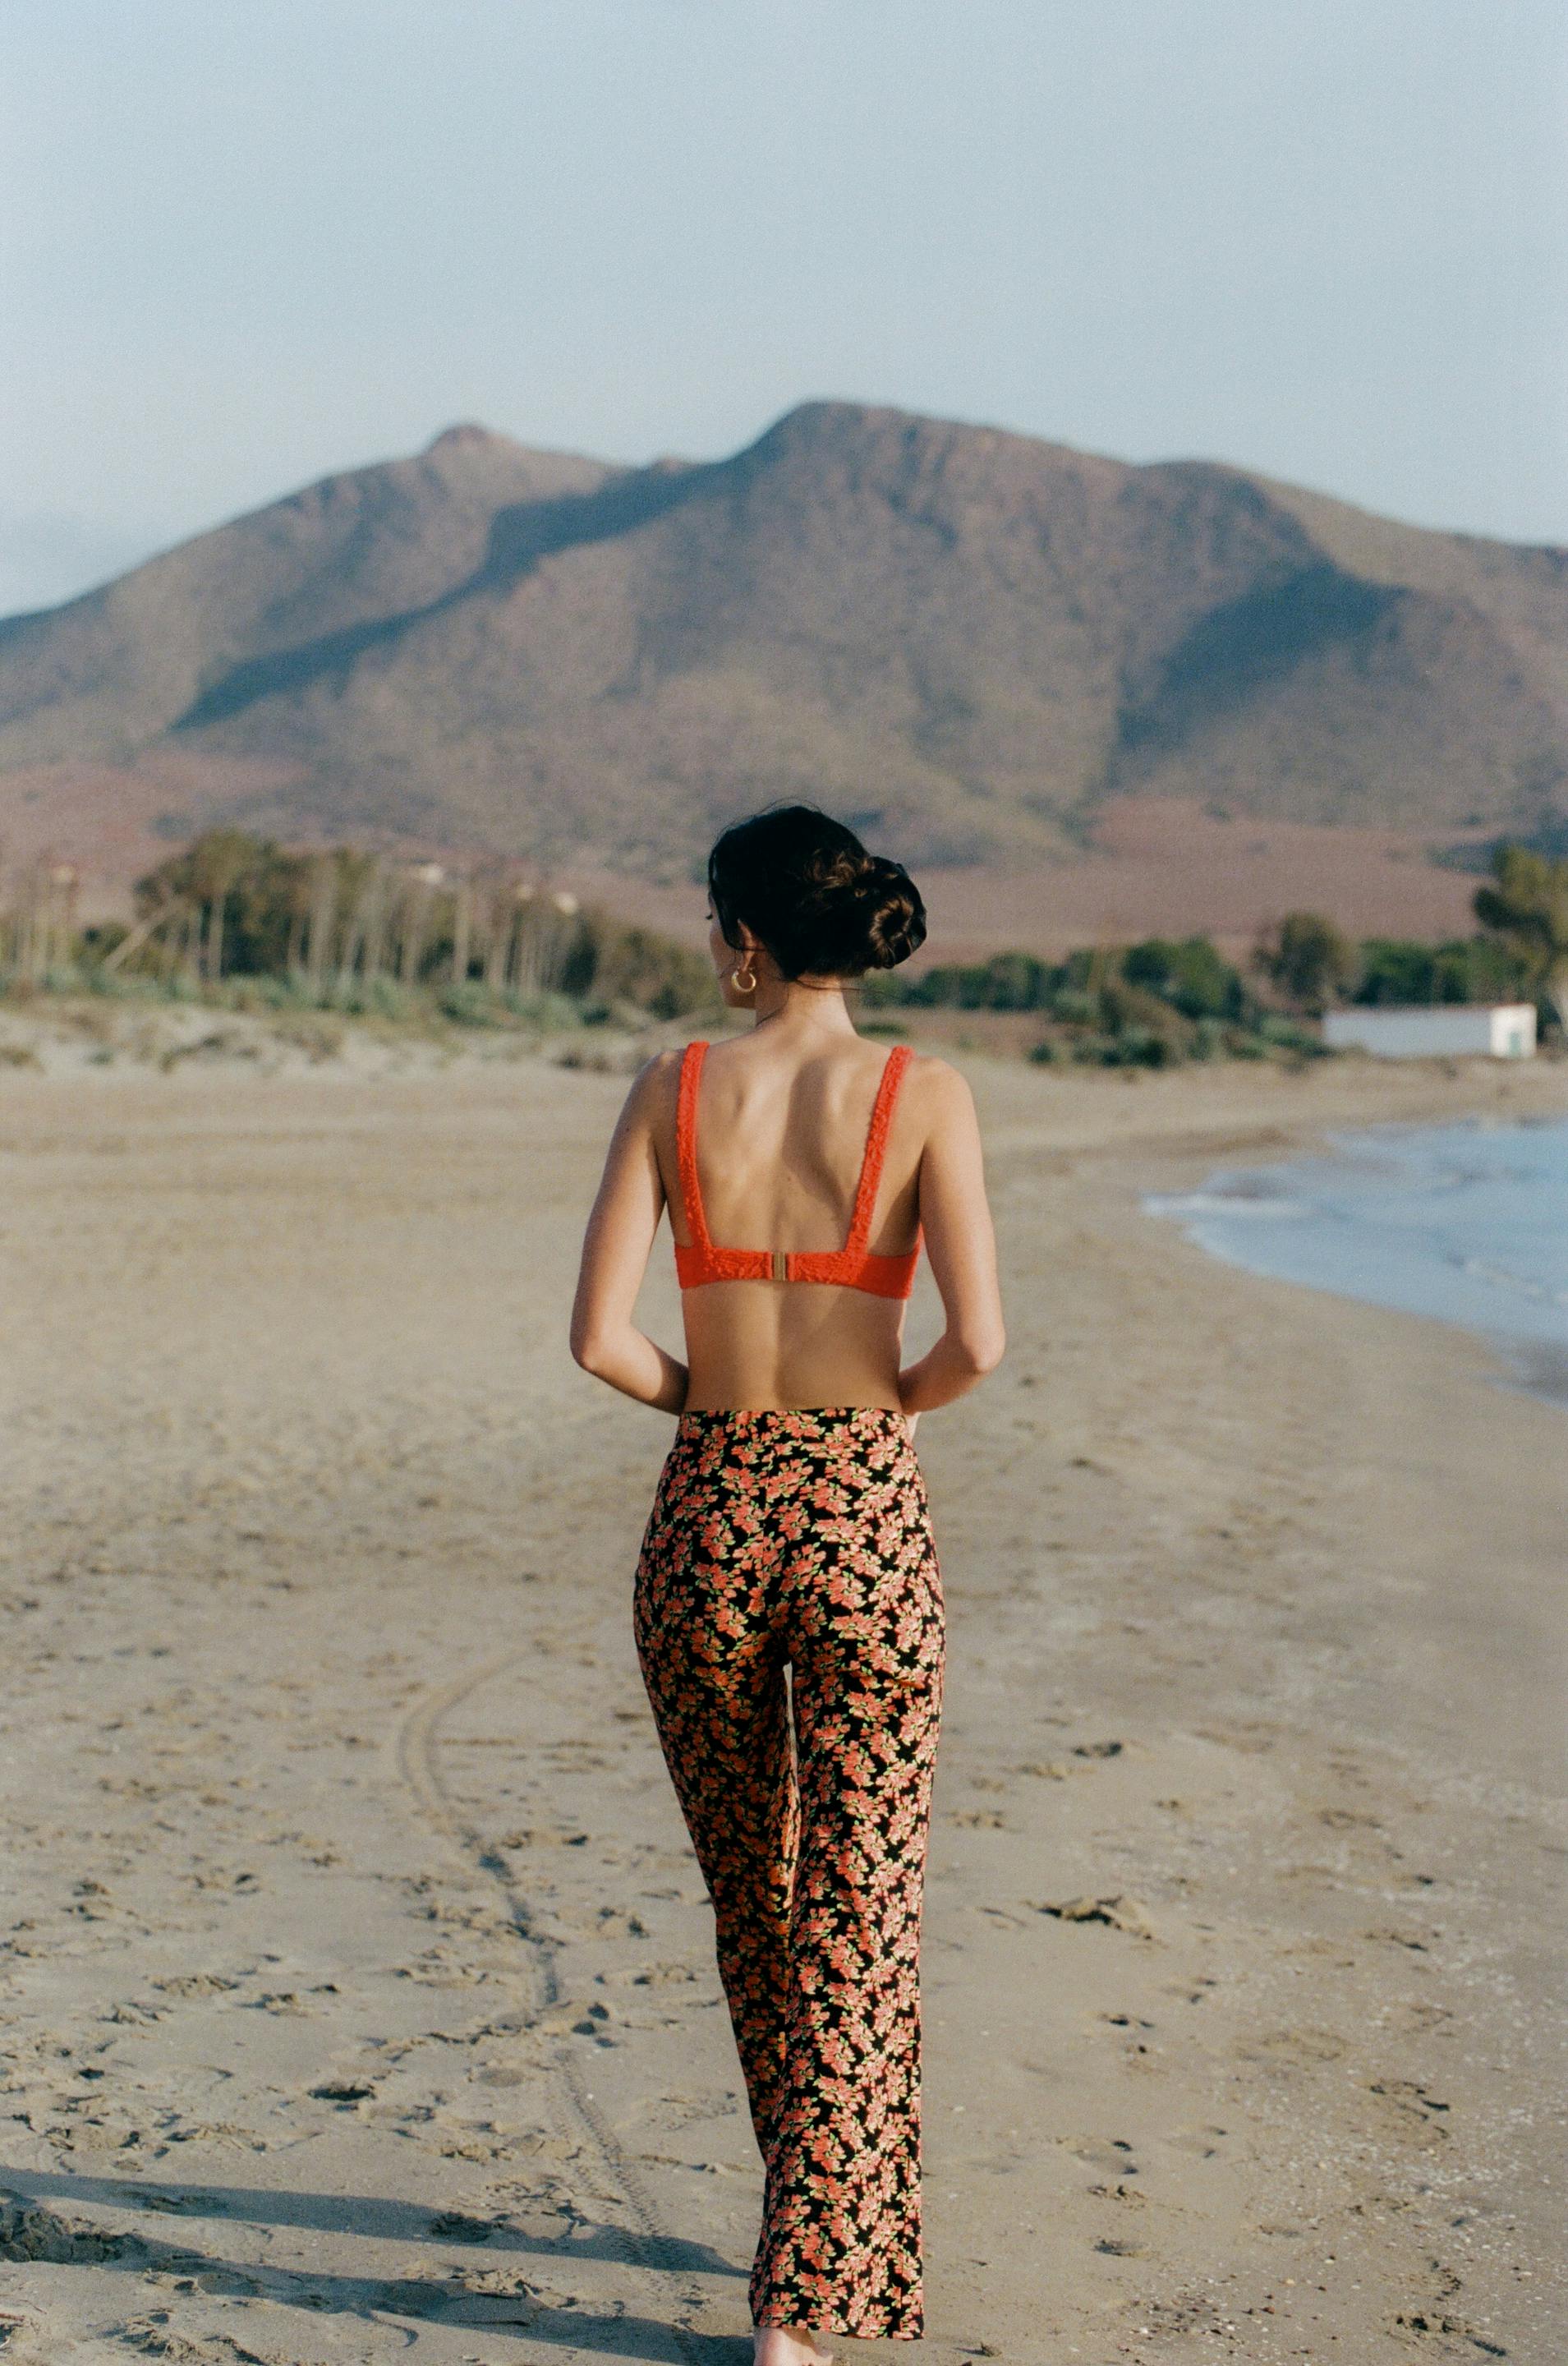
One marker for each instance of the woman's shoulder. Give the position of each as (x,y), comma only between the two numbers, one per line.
(936,1099)
(656,1083)
(936,1081)
(664,1066)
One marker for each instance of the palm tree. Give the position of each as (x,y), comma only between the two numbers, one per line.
(420,881)
(299,885)
(165,904)
(325,870)
(360,886)
(218,860)
(462,926)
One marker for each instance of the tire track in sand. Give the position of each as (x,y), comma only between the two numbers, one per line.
(648,2245)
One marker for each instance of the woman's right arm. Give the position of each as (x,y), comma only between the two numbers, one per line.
(605,1338)
(955,1217)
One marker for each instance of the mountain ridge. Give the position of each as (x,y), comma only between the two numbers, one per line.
(967,638)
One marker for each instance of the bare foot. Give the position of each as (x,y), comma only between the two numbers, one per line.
(788,2345)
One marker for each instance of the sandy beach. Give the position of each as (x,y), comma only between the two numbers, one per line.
(357,1982)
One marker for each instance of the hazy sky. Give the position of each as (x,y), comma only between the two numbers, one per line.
(247,242)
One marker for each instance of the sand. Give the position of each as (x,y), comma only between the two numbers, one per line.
(356,1978)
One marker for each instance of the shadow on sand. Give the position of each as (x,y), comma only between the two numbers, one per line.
(31,2231)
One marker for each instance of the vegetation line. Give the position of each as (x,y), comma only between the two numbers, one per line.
(242,922)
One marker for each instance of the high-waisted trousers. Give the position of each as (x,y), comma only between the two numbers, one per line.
(802,1541)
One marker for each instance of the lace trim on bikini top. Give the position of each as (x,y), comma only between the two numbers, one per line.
(701,1261)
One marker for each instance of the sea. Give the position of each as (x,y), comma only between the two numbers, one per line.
(1467,1222)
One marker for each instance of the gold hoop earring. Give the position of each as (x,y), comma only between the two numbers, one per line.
(750,984)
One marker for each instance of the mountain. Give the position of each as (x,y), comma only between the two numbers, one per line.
(967,640)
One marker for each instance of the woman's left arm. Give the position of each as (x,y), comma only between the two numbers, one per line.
(604,1339)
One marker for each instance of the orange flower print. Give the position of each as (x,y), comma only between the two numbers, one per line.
(802,1539)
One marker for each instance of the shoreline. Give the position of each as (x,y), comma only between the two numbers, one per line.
(361,1985)
(1536,1363)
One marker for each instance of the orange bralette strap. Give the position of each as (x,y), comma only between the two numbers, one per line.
(686,1146)
(898,1061)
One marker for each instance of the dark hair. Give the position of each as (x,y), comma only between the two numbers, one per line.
(808,890)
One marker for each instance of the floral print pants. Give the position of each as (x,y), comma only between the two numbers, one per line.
(802,1540)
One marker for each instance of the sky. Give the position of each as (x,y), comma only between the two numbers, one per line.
(242,246)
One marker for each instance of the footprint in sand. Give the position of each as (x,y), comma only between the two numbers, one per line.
(1409,2111)
(1414,2016)
(650,1975)
(456,2227)
(345,2091)
(151,2336)
(1112,2155)
(675,2110)
(1186,2311)
(615,1923)
(30,2234)
(1203,2144)
(1115,1909)
(174,2202)
(1199,1989)
(1292,2048)
(698,2168)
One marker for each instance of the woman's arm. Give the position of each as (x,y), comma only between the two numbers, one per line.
(604,1339)
(955,1217)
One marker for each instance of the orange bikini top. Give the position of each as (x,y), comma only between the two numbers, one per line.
(885,1277)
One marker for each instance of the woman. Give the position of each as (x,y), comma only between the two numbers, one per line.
(790,1529)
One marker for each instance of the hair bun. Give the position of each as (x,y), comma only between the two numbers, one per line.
(819,903)
(896,917)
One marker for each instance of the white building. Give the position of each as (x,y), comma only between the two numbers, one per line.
(1501,1030)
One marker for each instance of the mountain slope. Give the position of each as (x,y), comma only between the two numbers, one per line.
(110,671)
(971,639)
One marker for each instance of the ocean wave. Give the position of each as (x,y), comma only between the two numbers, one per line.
(1430,1219)
(1499,1276)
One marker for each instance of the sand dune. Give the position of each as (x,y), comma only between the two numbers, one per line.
(357,1977)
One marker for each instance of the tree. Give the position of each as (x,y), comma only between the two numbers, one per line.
(1191,974)
(216,861)
(1309,961)
(1526,909)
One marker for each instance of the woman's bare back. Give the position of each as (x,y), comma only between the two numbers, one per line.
(781,1133)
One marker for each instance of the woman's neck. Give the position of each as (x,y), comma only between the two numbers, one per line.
(792,1004)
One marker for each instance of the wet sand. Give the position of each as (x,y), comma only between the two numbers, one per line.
(358,1980)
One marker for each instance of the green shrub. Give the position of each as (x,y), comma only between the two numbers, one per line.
(1191,977)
